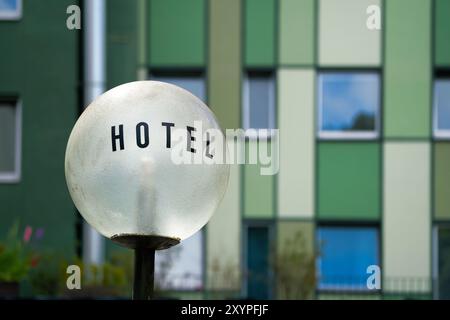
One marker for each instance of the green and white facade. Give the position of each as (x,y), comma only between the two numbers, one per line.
(379,195)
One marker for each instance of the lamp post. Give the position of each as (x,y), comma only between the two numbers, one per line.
(143,169)
(94,30)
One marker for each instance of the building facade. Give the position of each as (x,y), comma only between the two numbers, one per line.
(363,112)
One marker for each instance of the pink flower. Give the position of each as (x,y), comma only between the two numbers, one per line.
(27,234)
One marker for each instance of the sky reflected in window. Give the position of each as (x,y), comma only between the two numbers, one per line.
(345,255)
(8,5)
(260,102)
(193,84)
(442,100)
(348,101)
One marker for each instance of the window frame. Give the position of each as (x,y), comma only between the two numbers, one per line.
(347,135)
(255,133)
(439,134)
(12,15)
(16,175)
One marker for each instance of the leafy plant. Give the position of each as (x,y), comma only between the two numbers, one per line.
(47,278)
(224,279)
(113,278)
(110,279)
(223,275)
(295,269)
(15,260)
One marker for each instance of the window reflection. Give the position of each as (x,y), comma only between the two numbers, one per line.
(348,102)
(442,108)
(346,252)
(259,100)
(192,82)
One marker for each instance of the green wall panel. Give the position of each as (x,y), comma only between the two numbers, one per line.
(407,73)
(224,69)
(296,32)
(40,64)
(177,33)
(406,216)
(223,238)
(442,32)
(223,232)
(258,189)
(442,180)
(296,113)
(349,181)
(122,33)
(344,39)
(260,32)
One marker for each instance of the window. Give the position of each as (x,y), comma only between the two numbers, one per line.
(10,141)
(345,254)
(348,105)
(258,277)
(10,9)
(191,81)
(259,100)
(441,121)
(442,265)
(181,267)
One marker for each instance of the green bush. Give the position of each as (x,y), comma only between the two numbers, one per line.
(15,261)
(46,278)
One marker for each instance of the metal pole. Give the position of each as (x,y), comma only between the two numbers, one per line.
(144,273)
(94,28)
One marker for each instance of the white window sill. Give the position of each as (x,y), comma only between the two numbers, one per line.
(255,134)
(441,134)
(353,135)
(9,177)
